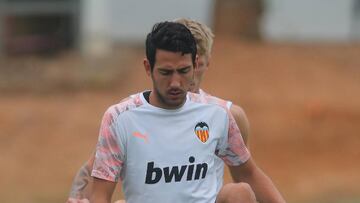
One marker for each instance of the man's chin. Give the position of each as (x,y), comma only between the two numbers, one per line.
(176,102)
(174,105)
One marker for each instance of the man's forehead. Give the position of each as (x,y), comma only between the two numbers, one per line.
(173,59)
(170,67)
(162,52)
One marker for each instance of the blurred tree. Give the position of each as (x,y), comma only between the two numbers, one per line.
(355,25)
(238,18)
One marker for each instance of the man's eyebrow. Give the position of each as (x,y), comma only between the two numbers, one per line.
(165,69)
(182,68)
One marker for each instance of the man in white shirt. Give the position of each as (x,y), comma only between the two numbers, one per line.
(162,144)
(204,41)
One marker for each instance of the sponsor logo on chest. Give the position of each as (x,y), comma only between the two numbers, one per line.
(170,174)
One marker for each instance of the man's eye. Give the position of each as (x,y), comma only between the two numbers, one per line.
(185,70)
(164,72)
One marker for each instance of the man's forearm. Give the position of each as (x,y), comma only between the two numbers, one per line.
(265,190)
(102,191)
(81,183)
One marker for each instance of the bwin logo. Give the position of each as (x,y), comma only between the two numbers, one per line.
(154,174)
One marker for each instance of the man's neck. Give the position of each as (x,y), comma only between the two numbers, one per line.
(155,100)
(147,96)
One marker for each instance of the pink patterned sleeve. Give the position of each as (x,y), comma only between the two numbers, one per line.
(109,157)
(234,151)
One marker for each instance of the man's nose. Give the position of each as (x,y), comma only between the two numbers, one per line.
(175,80)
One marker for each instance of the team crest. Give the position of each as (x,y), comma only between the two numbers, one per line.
(202,131)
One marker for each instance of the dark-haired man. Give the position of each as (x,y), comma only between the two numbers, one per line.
(162,143)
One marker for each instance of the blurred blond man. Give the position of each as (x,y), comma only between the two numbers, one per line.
(204,38)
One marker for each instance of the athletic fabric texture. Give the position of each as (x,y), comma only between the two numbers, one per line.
(166,155)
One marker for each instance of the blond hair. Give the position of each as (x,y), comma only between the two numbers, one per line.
(202,34)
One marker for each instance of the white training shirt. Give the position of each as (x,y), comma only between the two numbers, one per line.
(218,162)
(166,155)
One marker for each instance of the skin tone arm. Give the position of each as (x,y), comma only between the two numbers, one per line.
(261,184)
(81,187)
(264,189)
(82,183)
(102,191)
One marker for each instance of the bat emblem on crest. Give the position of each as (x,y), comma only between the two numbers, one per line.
(202,131)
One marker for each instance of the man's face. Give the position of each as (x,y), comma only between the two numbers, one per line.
(203,64)
(172,76)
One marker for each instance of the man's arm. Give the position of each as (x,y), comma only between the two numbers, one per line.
(81,186)
(102,191)
(264,189)
(242,122)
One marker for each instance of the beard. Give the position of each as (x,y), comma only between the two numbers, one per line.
(165,99)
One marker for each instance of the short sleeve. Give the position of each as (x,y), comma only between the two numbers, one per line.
(109,155)
(232,148)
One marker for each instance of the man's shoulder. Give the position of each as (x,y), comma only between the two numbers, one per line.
(241,120)
(237,110)
(210,99)
(126,104)
(234,109)
(240,116)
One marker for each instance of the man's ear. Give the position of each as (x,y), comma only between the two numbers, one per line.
(208,61)
(147,66)
(196,65)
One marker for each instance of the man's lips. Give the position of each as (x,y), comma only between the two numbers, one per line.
(175,93)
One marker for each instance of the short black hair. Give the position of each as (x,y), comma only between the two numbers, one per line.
(169,36)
